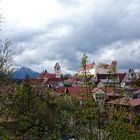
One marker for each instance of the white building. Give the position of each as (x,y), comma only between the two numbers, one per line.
(57,70)
(129,77)
(98,95)
(94,69)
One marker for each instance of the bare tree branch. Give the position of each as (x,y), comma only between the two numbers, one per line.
(5,55)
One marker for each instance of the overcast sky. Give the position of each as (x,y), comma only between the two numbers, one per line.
(44,32)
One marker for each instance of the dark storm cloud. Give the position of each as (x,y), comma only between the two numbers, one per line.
(120,22)
(125,52)
(129,65)
(26,35)
(105,28)
(94,30)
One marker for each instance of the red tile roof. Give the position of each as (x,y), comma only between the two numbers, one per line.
(76,91)
(53,80)
(60,90)
(32,81)
(121,76)
(49,75)
(45,75)
(41,75)
(71,79)
(108,91)
(96,89)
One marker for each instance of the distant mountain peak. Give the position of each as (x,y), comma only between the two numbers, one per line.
(25,68)
(23,72)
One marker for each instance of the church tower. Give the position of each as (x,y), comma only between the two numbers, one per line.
(57,70)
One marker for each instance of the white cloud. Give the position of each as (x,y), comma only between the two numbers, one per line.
(30,13)
(44,30)
(126,53)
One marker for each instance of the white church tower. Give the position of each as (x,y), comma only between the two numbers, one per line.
(57,70)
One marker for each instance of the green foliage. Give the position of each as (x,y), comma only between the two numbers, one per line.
(3,134)
(37,113)
(84,61)
(64,106)
(41,115)
(32,112)
(118,128)
(136,83)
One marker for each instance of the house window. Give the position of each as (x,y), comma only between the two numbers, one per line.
(81,102)
(96,97)
(100,97)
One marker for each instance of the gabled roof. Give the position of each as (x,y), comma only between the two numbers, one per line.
(49,75)
(53,80)
(113,64)
(71,80)
(45,75)
(96,89)
(76,91)
(121,76)
(108,91)
(128,74)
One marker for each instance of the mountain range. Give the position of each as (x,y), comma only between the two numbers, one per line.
(24,72)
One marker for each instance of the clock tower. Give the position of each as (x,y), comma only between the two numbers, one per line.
(57,70)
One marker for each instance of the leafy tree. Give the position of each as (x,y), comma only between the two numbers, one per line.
(5,64)
(6,60)
(64,105)
(5,56)
(136,83)
(3,134)
(86,116)
(90,123)
(39,114)
(118,126)
(32,112)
